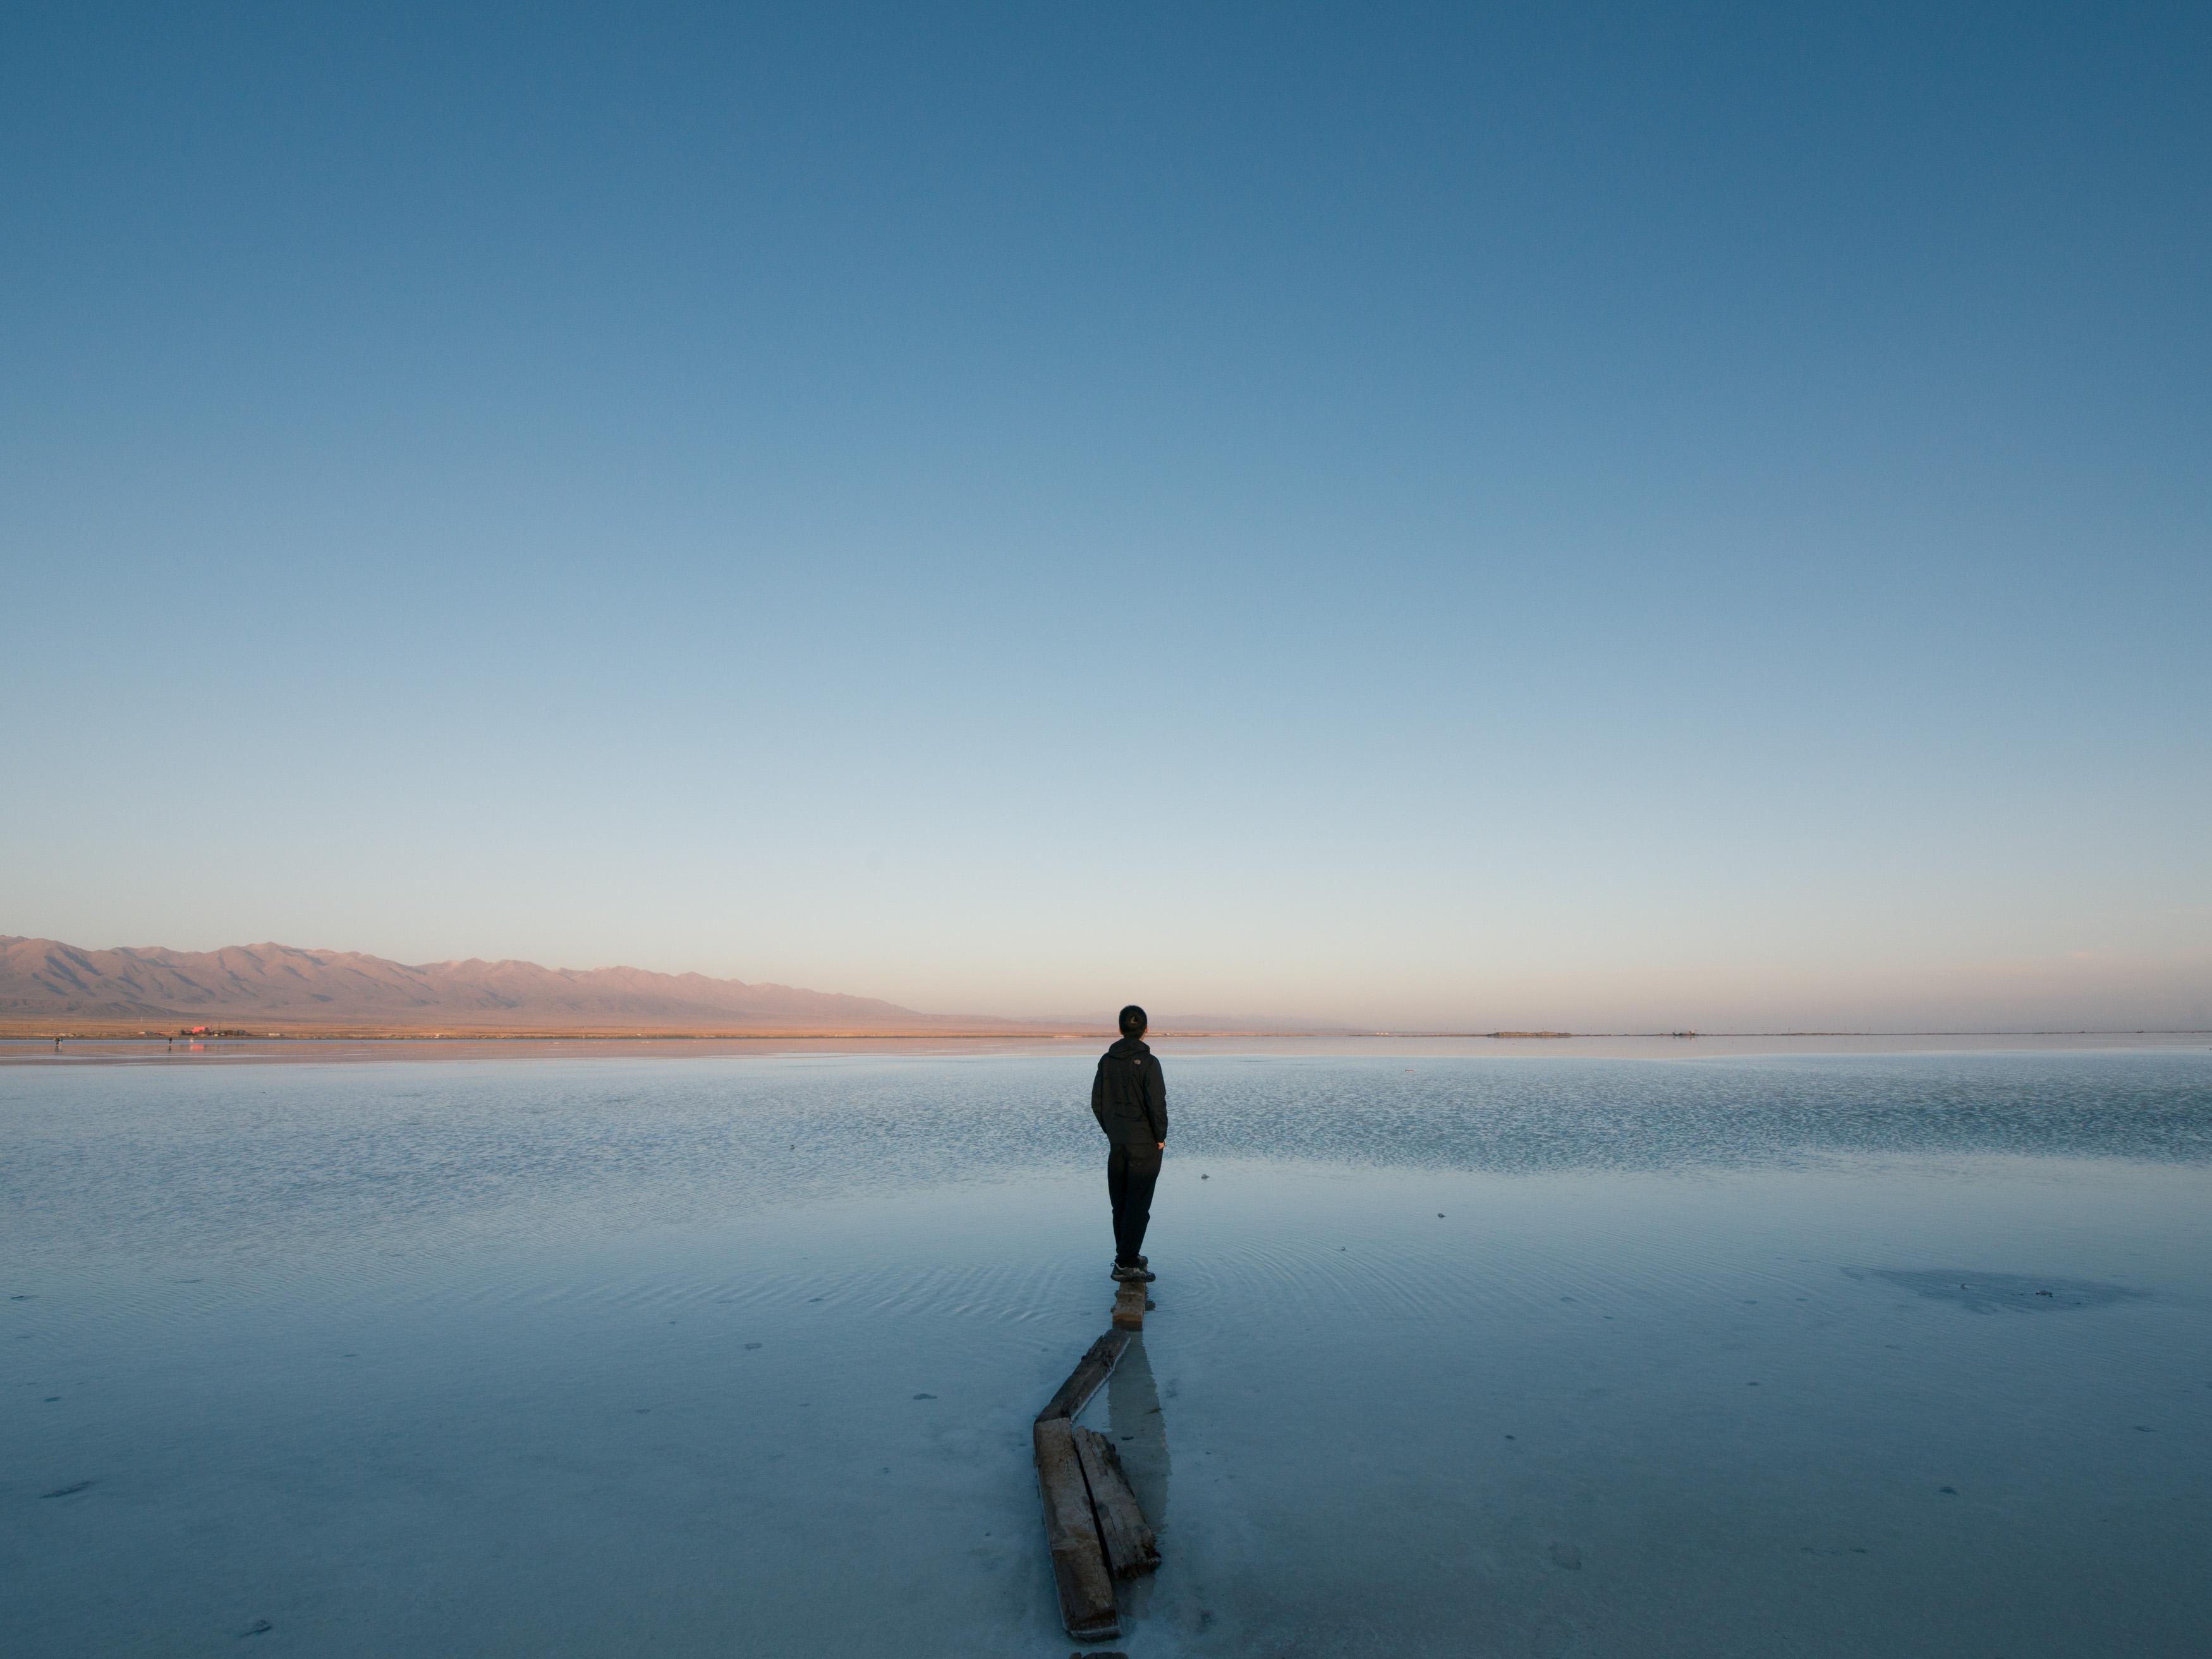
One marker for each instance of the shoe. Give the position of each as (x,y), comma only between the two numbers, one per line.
(1139,1274)
(1121,1275)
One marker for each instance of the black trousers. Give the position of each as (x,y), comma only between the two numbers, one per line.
(1132,1172)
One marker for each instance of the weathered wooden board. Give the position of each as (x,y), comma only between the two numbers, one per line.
(1071,1531)
(1082,1382)
(1129,1307)
(1128,1542)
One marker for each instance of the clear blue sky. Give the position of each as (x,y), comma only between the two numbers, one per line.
(1589,517)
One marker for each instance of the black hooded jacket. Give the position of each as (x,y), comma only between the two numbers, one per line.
(1129,1095)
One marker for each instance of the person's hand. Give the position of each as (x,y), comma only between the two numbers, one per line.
(1162,1144)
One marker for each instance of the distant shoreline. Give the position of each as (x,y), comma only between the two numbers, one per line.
(1411,1051)
(46,1031)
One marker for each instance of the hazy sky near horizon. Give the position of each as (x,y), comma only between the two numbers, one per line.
(1589,517)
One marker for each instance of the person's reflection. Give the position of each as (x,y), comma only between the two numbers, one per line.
(1139,1430)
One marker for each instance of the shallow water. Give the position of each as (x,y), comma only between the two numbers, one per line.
(1451,1355)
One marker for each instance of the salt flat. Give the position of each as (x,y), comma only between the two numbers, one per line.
(1454,1353)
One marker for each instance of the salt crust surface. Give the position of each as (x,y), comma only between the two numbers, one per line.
(1451,1355)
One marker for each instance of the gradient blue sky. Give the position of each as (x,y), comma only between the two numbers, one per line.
(1587,517)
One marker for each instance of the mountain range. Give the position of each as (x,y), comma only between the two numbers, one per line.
(45,984)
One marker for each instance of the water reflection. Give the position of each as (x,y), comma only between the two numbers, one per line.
(1139,1431)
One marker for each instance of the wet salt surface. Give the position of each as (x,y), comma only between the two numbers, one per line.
(711,1355)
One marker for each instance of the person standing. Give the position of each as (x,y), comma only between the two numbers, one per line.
(1129,1098)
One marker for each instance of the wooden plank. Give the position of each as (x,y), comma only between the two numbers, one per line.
(1129,1307)
(1082,1382)
(1129,1544)
(1071,1531)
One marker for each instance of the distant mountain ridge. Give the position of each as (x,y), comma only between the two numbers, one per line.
(280,986)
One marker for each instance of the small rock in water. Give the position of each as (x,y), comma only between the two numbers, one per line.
(1567,1556)
(70,1491)
(924,1396)
(258,1627)
(751,1346)
(1954,1491)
